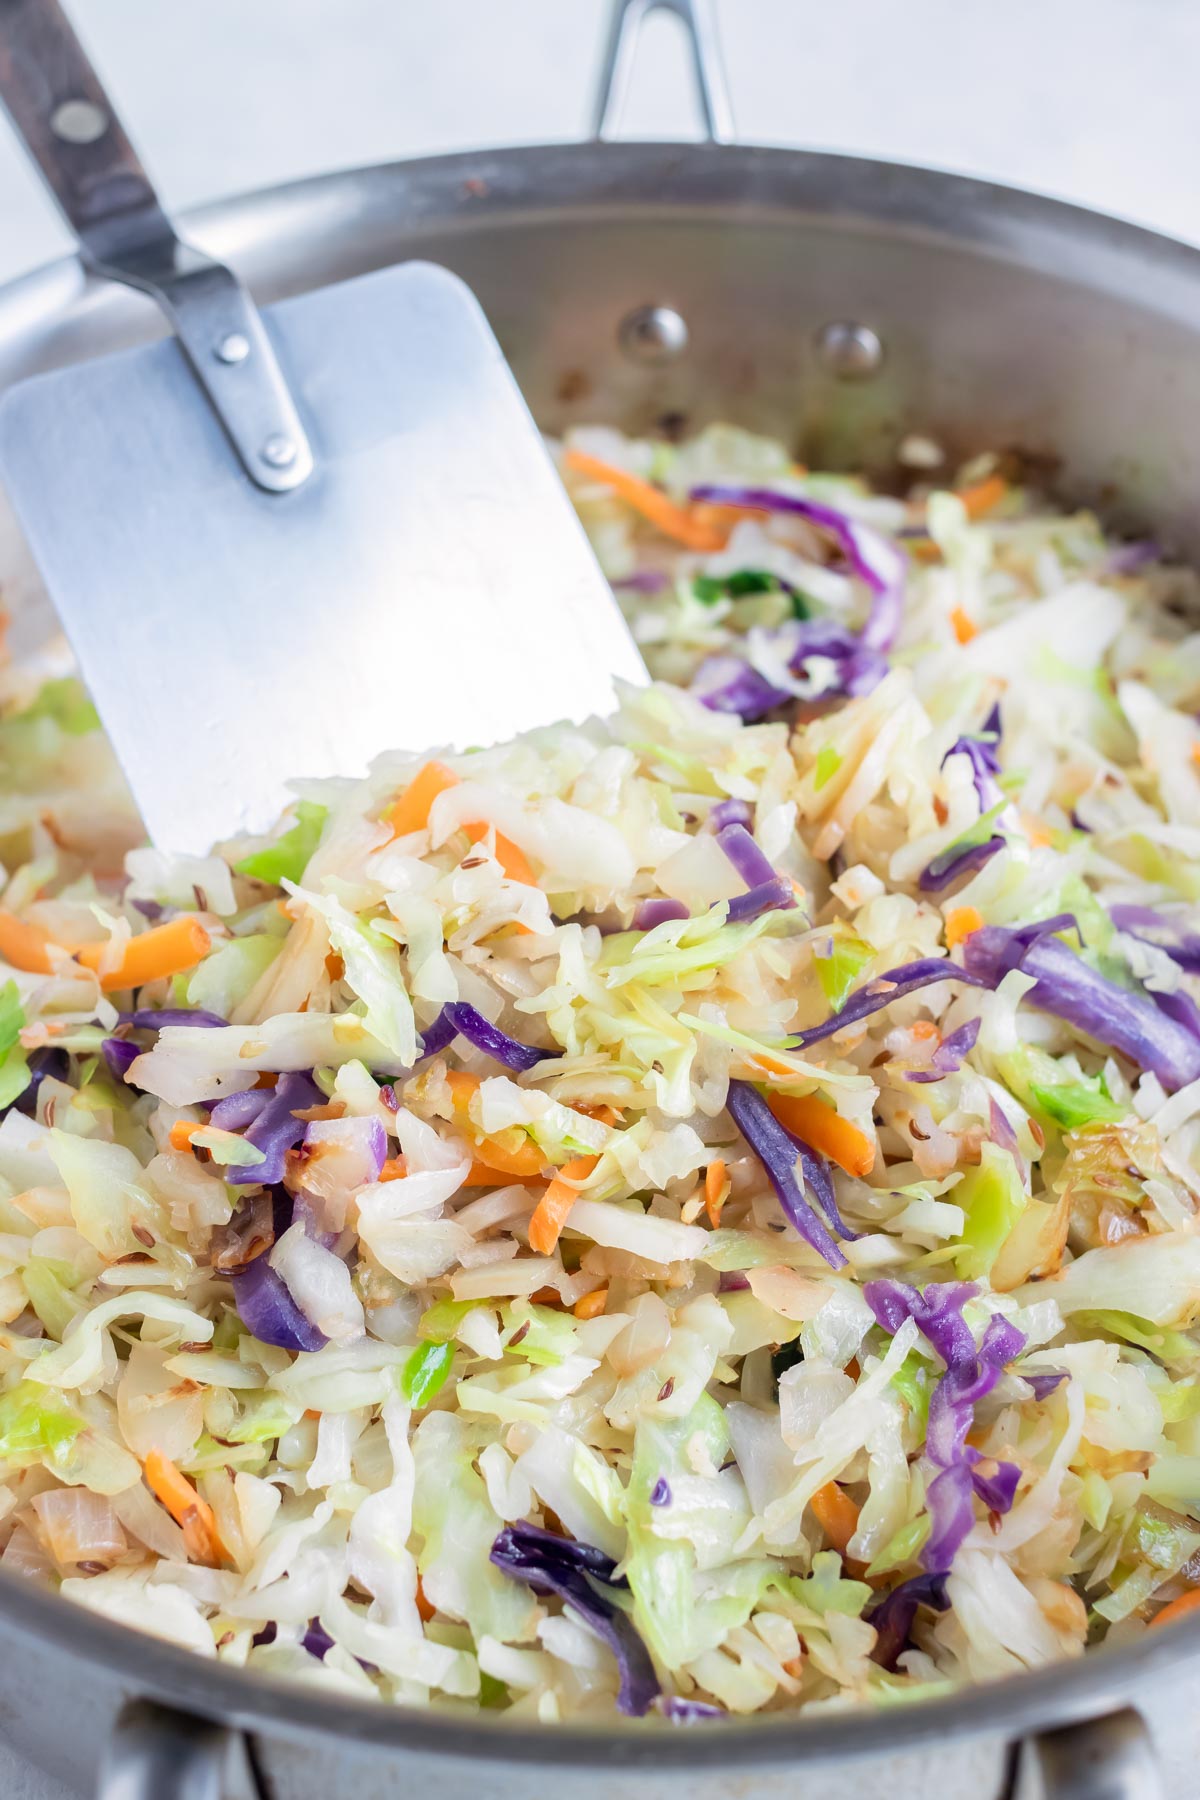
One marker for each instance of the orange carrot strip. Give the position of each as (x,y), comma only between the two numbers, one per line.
(462,1085)
(983,497)
(425,1611)
(495,1163)
(592,1305)
(182,1133)
(607,1115)
(394,1169)
(24,946)
(673,521)
(187,1508)
(163,950)
(1196,752)
(411,811)
(960,923)
(510,856)
(964,628)
(550,1213)
(715,1190)
(1175,1609)
(817,1125)
(837,1515)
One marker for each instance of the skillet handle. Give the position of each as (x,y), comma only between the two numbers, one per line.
(157,1754)
(1111,1758)
(698,21)
(71,130)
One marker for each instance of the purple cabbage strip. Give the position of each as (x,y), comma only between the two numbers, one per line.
(730,812)
(660,1494)
(687,1712)
(950,1055)
(1127,559)
(819,1182)
(317,1640)
(971,1373)
(997,1491)
(777,1152)
(1002,1131)
(149,1018)
(1043,1381)
(233,1112)
(48,1061)
(893,984)
(950,864)
(276,1130)
(1161,931)
(649,913)
(873,558)
(745,855)
(456,1018)
(1159,1032)
(775,895)
(894,1615)
(556,1565)
(643,581)
(267,1310)
(727,683)
(985,764)
(120,1055)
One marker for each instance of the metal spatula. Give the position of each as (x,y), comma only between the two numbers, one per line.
(283,542)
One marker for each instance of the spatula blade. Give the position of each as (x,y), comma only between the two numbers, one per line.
(428,585)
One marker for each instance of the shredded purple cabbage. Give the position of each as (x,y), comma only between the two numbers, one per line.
(233,1112)
(687,1712)
(660,1493)
(657,911)
(456,1018)
(775,895)
(50,1062)
(985,764)
(727,683)
(875,560)
(276,1130)
(1159,1032)
(745,855)
(951,864)
(1002,1131)
(1043,1381)
(267,1310)
(1160,930)
(971,1373)
(149,1018)
(1127,559)
(893,1616)
(778,1153)
(120,1055)
(579,1574)
(949,1056)
(893,984)
(644,581)
(730,812)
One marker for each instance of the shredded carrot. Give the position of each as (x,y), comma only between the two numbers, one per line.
(592,1305)
(964,628)
(394,1169)
(673,521)
(550,1213)
(1176,1609)
(817,1125)
(923,1030)
(495,1163)
(716,1190)
(716,517)
(837,1515)
(268,1079)
(24,946)
(425,1611)
(983,497)
(182,1133)
(187,1508)
(168,949)
(411,811)
(605,1115)
(510,856)
(770,1066)
(1196,752)
(960,923)
(462,1085)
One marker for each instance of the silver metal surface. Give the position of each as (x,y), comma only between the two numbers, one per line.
(429,585)
(1105,1759)
(55,100)
(653,334)
(696,17)
(1009,320)
(852,352)
(155,1753)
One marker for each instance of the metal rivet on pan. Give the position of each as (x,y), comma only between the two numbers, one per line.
(234,347)
(652,334)
(848,350)
(79,122)
(279,452)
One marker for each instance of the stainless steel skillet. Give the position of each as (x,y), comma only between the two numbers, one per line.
(841,303)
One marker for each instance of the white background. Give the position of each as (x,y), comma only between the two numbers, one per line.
(1094,100)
